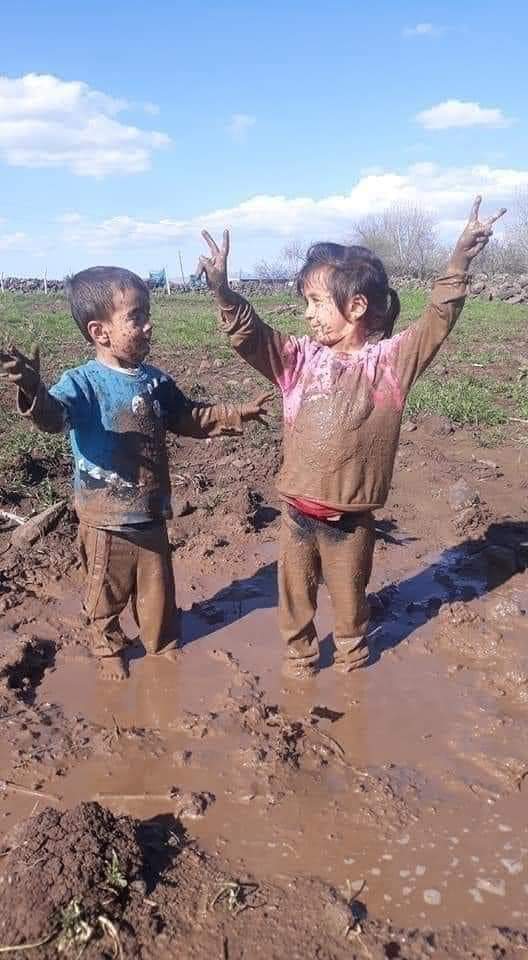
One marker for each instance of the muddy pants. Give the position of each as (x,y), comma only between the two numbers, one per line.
(341,553)
(133,566)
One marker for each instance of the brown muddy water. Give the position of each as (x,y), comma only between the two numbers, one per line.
(407,781)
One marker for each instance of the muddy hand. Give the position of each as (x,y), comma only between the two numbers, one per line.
(257,409)
(21,370)
(475,236)
(215,266)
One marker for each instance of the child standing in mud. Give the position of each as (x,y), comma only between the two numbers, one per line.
(344,391)
(117,409)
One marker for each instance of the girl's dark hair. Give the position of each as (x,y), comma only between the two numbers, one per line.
(91,293)
(355,270)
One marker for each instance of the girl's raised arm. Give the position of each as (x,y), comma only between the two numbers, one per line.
(417,346)
(272,353)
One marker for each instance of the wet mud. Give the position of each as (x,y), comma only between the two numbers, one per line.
(399,790)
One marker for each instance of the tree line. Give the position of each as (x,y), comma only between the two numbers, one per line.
(406,239)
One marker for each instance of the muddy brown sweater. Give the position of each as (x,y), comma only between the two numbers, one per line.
(342,412)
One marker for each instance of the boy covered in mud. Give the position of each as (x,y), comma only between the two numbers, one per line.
(343,391)
(117,409)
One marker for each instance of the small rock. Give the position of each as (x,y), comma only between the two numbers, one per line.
(191,805)
(409,427)
(437,426)
(139,886)
(337,915)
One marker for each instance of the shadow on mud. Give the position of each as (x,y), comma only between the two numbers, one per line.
(464,572)
(26,671)
(161,839)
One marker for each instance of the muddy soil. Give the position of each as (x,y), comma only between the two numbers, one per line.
(400,789)
(87,882)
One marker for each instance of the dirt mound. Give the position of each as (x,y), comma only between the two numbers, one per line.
(85,881)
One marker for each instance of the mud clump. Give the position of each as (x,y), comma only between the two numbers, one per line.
(64,871)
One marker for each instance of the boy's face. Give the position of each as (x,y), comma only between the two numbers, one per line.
(125,336)
(327,323)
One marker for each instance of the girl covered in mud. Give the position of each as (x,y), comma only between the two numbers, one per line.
(343,390)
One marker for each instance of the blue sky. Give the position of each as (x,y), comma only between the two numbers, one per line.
(126,127)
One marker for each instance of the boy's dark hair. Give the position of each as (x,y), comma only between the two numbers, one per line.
(355,270)
(91,293)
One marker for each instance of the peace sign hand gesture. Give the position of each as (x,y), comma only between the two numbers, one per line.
(475,236)
(215,266)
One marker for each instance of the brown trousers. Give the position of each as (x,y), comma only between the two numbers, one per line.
(341,553)
(135,566)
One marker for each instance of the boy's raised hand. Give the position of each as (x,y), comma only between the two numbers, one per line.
(21,370)
(257,409)
(475,236)
(215,266)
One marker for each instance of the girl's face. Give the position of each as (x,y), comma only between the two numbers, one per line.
(343,332)
(327,323)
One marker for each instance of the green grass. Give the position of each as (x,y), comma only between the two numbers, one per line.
(483,324)
(517,395)
(487,333)
(464,400)
(483,334)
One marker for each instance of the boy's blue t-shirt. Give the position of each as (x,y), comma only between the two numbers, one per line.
(117,422)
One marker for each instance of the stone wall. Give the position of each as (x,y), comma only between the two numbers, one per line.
(508,288)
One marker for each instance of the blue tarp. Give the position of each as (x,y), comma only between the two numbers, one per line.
(157,278)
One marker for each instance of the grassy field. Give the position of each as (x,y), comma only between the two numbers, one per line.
(477,379)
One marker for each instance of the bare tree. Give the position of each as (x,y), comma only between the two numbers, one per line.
(518,229)
(288,264)
(504,256)
(272,270)
(405,239)
(294,255)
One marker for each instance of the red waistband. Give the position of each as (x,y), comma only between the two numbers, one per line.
(312,508)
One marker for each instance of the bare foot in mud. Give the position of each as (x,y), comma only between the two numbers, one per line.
(347,661)
(76,652)
(350,666)
(173,654)
(169,652)
(114,666)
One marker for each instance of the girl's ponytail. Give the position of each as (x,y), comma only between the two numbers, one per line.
(393,312)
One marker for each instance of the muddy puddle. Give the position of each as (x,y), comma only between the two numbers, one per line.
(407,781)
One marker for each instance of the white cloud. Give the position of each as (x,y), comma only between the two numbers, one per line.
(13,241)
(445,191)
(423,30)
(239,125)
(69,217)
(49,122)
(461,113)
